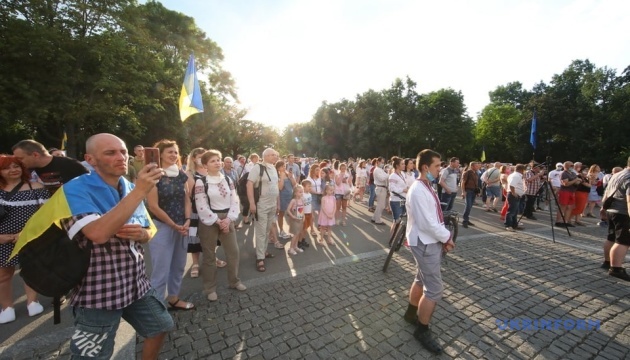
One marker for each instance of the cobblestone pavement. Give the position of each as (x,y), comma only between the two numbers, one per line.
(354,310)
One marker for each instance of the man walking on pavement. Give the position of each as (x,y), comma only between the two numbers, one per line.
(427,238)
(618,223)
(266,208)
(470,183)
(492,178)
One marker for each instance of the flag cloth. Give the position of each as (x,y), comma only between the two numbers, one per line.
(64,141)
(72,199)
(190,100)
(533,136)
(483,154)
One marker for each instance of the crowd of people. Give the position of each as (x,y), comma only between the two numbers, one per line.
(198,202)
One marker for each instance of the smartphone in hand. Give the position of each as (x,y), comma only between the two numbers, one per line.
(152,155)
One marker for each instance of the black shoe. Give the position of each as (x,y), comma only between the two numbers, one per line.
(531,217)
(465,225)
(569,225)
(412,319)
(305,244)
(470,224)
(372,220)
(427,341)
(619,274)
(560,224)
(605,265)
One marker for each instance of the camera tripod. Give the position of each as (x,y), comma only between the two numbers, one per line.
(547,186)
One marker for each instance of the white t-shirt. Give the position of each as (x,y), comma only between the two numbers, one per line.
(516,180)
(307,198)
(554,177)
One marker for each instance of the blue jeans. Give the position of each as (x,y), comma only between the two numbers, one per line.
(95,329)
(449,199)
(372,195)
(470,199)
(397,209)
(512,214)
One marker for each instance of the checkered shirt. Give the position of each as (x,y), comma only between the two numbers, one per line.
(116,276)
(532,186)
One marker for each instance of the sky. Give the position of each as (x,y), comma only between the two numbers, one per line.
(287,57)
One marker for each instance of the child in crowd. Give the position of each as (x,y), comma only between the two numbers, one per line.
(327,214)
(308,212)
(295,212)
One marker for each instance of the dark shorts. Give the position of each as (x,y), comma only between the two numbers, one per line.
(619,228)
(566,198)
(95,329)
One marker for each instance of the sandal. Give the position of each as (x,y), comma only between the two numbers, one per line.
(221,263)
(278,245)
(194,271)
(260,265)
(173,305)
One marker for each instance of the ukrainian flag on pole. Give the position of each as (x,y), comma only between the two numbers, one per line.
(64,141)
(190,102)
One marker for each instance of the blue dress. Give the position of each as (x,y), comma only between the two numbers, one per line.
(286,194)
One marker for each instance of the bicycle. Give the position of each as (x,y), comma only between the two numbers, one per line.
(451,220)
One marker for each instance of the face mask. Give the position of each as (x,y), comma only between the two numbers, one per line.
(430,176)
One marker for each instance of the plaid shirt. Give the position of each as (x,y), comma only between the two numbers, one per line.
(116,276)
(533,185)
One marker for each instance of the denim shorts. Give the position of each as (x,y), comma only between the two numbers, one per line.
(493,191)
(397,210)
(95,329)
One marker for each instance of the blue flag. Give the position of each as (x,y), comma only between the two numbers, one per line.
(190,99)
(533,136)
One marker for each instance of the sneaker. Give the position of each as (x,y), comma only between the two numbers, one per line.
(509,228)
(34,308)
(7,315)
(239,287)
(213,296)
(427,341)
(292,252)
(299,250)
(287,236)
(619,274)
(605,265)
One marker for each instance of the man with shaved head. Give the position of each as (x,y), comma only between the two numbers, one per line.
(53,171)
(107,214)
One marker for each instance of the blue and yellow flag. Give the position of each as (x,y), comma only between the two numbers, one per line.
(483,154)
(64,141)
(190,100)
(85,194)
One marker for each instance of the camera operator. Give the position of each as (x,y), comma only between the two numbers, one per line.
(533,180)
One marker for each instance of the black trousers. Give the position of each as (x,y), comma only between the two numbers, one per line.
(529,205)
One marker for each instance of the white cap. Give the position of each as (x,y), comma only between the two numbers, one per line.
(559,165)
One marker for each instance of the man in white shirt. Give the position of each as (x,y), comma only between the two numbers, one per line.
(554,177)
(427,238)
(448,182)
(516,190)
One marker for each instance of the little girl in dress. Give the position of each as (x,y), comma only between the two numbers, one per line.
(327,214)
(295,212)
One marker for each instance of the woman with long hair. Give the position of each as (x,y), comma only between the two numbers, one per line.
(170,207)
(286,183)
(361,181)
(218,208)
(593,196)
(24,200)
(316,192)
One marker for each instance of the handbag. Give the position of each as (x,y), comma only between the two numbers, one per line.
(3,211)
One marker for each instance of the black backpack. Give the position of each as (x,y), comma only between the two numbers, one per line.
(241,185)
(53,264)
